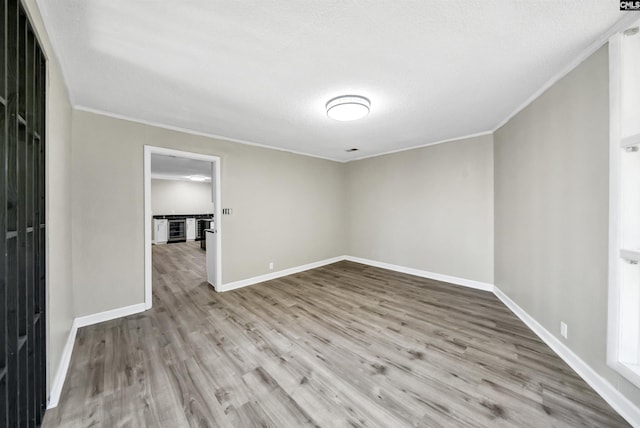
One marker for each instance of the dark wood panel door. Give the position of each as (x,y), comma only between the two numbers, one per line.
(22,221)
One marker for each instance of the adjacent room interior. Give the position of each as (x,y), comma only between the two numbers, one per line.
(182,190)
(372,214)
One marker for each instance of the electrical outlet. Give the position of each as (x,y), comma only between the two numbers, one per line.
(563,329)
(271,266)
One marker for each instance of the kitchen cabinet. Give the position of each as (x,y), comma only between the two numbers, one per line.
(160,230)
(191,229)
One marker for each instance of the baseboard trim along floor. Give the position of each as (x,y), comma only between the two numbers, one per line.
(606,390)
(273,275)
(63,367)
(424,274)
(611,395)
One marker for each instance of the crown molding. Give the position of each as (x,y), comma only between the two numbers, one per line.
(622,24)
(193,132)
(450,140)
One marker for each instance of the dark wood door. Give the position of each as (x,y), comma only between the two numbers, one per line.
(22,221)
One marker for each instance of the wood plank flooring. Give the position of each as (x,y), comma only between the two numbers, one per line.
(345,345)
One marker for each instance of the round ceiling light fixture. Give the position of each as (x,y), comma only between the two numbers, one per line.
(348,107)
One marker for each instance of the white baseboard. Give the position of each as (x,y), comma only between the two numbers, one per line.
(611,395)
(273,275)
(424,274)
(63,367)
(421,273)
(109,315)
(608,392)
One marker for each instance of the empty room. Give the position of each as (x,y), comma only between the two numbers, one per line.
(320,213)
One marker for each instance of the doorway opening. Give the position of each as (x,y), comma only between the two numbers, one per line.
(179,165)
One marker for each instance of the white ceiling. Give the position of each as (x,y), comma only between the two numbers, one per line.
(177,168)
(261,71)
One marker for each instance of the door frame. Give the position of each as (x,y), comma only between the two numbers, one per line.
(148,150)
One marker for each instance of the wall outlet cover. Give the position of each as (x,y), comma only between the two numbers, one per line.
(563,329)
(271,266)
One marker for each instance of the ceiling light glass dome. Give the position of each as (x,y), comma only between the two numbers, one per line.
(348,107)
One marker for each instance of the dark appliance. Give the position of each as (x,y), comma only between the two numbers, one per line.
(177,230)
(203,223)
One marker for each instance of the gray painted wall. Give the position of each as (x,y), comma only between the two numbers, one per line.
(551,209)
(180,197)
(58,202)
(287,208)
(429,208)
(552,212)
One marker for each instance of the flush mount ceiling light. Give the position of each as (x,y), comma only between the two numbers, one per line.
(348,107)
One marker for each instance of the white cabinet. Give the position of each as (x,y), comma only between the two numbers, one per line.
(191,229)
(160,231)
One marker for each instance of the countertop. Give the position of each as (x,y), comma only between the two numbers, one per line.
(184,216)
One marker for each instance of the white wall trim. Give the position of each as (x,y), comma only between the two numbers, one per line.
(264,146)
(449,140)
(611,395)
(109,315)
(194,132)
(273,275)
(148,216)
(148,150)
(425,274)
(616,253)
(608,392)
(168,177)
(628,19)
(615,114)
(411,271)
(63,367)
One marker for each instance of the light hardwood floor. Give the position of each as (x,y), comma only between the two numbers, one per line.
(345,345)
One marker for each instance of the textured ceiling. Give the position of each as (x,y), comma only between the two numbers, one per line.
(261,71)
